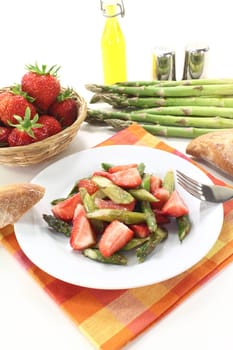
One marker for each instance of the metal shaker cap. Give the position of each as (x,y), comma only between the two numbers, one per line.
(195,61)
(164,66)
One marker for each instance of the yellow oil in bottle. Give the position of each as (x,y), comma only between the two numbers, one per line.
(113,46)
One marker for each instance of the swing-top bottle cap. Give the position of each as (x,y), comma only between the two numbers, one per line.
(119,5)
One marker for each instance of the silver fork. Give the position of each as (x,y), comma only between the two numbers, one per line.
(209,193)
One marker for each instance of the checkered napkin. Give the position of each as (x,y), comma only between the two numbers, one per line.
(111,318)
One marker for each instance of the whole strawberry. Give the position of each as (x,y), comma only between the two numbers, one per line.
(23,131)
(12,103)
(4,134)
(65,108)
(32,130)
(42,84)
(50,126)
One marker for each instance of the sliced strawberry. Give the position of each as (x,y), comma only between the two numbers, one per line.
(109,204)
(175,205)
(155,183)
(128,178)
(160,217)
(65,209)
(140,230)
(116,168)
(82,235)
(102,173)
(162,195)
(89,185)
(115,236)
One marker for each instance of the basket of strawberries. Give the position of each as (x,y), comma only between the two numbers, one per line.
(38,117)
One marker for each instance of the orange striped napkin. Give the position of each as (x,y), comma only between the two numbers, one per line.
(111,318)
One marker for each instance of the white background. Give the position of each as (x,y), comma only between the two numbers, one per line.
(68,33)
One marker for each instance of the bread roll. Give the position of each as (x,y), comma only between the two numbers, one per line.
(16,199)
(215,148)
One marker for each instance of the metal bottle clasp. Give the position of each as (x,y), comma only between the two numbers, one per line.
(120,5)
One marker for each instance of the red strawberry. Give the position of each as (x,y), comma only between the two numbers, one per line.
(140,230)
(64,210)
(22,132)
(116,168)
(50,126)
(88,184)
(65,108)
(155,182)
(175,206)
(162,194)
(32,130)
(42,84)
(128,178)
(19,138)
(115,236)
(4,99)
(11,104)
(82,235)
(4,134)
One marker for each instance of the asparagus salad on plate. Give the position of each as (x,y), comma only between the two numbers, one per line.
(117,209)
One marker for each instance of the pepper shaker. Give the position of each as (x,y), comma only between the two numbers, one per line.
(163,64)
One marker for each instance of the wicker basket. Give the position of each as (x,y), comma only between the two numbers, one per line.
(39,151)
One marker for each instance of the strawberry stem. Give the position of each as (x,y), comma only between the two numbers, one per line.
(26,123)
(16,89)
(64,95)
(43,70)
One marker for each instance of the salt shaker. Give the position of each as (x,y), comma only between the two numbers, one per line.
(195,61)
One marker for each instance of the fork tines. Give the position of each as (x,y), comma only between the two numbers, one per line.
(190,185)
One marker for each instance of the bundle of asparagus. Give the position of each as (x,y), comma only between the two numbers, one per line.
(186,108)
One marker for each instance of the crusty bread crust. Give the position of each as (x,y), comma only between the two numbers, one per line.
(16,200)
(215,148)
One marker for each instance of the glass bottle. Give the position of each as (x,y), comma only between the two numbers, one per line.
(113,42)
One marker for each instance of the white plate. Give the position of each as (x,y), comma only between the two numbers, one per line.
(52,253)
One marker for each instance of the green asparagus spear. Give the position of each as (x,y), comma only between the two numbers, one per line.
(150,216)
(94,254)
(89,205)
(201,111)
(148,247)
(58,225)
(129,102)
(142,194)
(169,181)
(112,191)
(146,207)
(184,226)
(134,243)
(128,217)
(162,130)
(117,194)
(215,122)
(101,181)
(106,166)
(87,200)
(176,91)
(176,82)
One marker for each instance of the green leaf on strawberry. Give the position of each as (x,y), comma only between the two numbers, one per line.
(25,123)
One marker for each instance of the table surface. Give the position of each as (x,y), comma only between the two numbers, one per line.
(29,318)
